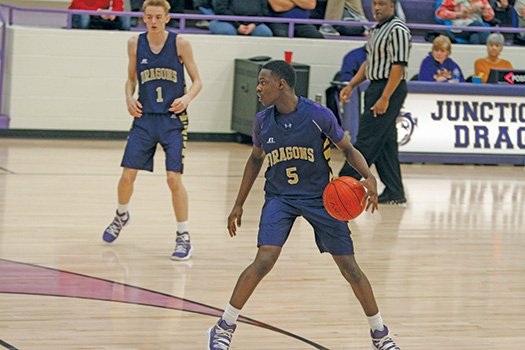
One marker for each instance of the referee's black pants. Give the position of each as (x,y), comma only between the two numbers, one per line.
(377,139)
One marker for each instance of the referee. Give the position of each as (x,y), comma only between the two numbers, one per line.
(387,49)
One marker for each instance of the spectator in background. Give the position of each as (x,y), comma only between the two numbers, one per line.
(438,66)
(502,10)
(351,64)
(102,21)
(205,7)
(136,6)
(289,9)
(348,10)
(466,13)
(240,8)
(177,6)
(482,66)
(519,7)
(202,3)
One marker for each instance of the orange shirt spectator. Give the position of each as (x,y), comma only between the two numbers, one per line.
(482,66)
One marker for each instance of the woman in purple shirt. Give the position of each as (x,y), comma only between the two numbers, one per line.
(438,66)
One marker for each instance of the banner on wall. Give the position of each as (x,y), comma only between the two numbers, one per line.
(464,124)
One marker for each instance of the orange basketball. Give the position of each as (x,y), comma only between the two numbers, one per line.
(343,198)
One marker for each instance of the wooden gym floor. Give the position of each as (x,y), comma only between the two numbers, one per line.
(448,269)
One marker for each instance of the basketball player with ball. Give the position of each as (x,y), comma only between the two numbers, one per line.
(295,134)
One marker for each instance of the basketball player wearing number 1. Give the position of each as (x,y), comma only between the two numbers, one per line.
(294,134)
(157,60)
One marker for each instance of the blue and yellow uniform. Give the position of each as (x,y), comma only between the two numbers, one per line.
(297,146)
(161,81)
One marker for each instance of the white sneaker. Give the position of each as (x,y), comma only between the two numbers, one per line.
(381,340)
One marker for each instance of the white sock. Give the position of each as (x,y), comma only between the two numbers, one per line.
(182,226)
(230,315)
(122,208)
(376,322)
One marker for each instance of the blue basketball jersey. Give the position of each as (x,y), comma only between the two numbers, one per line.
(160,76)
(297,146)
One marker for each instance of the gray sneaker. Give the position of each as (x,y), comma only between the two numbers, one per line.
(328,30)
(113,230)
(183,247)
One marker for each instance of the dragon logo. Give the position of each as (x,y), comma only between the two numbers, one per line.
(405,124)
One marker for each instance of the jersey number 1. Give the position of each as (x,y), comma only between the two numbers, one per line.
(159,94)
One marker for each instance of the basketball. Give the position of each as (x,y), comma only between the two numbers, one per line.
(343,198)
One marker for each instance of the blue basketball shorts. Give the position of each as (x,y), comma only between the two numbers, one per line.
(147,131)
(278,215)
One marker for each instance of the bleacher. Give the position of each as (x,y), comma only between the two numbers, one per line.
(39,45)
(417,12)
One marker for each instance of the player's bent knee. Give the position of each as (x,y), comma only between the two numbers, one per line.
(263,264)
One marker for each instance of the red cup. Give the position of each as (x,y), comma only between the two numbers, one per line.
(288,56)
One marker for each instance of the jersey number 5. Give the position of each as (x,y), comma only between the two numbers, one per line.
(159,94)
(293,178)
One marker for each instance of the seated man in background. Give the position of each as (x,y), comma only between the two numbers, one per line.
(502,10)
(352,11)
(136,6)
(482,66)
(102,21)
(351,63)
(347,10)
(519,7)
(438,66)
(466,13)
(257,8)
(293,9)
(177,6)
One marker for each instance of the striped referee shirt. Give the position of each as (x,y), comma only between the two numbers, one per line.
(389,43)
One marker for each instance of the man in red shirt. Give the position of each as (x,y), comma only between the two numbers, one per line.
(84,21)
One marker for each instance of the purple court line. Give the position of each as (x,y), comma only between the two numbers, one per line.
(23,278)
(7,346)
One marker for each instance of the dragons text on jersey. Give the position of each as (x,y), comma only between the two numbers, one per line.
(158,74)
(282,154)
(297,146)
